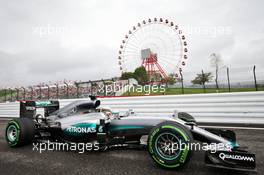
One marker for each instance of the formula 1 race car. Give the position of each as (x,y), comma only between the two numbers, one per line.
(168,142)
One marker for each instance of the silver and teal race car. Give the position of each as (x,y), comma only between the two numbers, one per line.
(168,139)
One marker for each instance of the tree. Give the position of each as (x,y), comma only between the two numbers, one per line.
(155,77)
(216,62)
(202,78)
(169,80)
(141,75)
(127,75)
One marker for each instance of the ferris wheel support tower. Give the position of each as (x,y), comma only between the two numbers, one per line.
(150,63)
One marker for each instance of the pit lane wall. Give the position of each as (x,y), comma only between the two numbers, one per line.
(227,108)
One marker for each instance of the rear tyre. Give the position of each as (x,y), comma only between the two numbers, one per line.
(20,132)
(168,145)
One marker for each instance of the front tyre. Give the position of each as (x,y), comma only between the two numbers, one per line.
(20,132)
(168,145)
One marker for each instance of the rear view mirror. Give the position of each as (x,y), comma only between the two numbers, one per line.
(97,103)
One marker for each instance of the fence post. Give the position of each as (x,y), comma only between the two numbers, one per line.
(203,82)
(67,89)
(17,95)
(255,78)
(182,87)
(32,92)
(77,88)
(91,87)
(40,92)
(24,93)
(114,90)
(11,93)
(228,80)
(57,90)
(128,81)
(104,87)
(48,91)
(5,95)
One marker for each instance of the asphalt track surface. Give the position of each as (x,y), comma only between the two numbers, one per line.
(117,161)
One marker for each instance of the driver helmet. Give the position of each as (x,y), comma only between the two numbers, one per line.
(107,111)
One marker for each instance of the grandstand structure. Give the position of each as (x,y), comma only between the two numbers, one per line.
(65,89)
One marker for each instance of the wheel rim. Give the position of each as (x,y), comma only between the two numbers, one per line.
(167,145)
(12,133)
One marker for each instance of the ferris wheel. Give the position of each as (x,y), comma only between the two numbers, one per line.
(158,45)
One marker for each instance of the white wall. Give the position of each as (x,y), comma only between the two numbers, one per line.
(239,108)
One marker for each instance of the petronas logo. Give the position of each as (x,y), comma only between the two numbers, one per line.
(91,128)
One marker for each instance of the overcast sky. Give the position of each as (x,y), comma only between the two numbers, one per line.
(42,41)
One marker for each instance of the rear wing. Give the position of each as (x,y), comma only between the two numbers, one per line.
(28,108)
